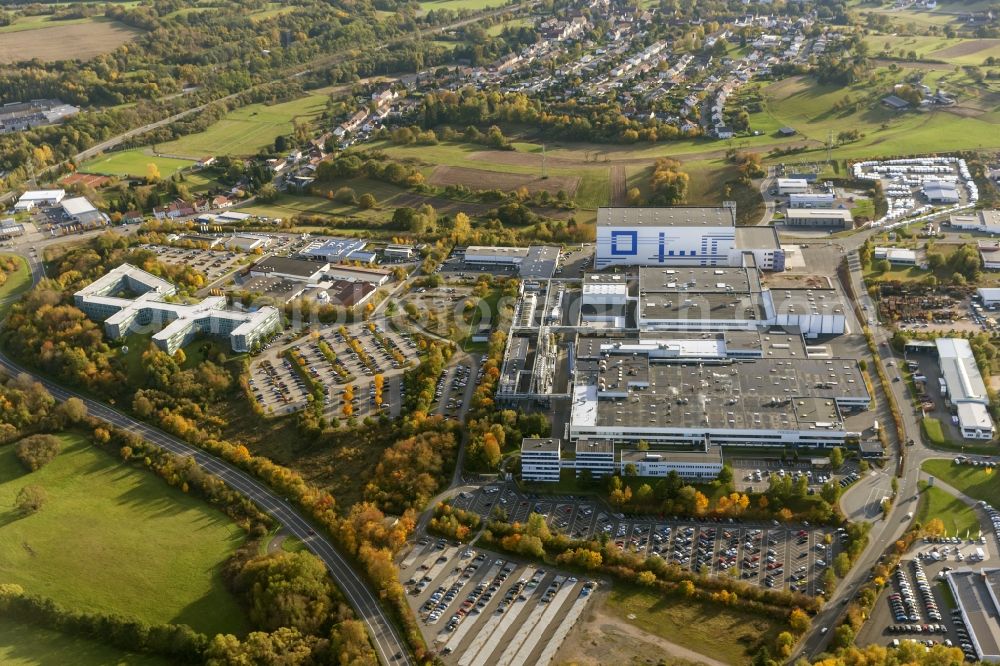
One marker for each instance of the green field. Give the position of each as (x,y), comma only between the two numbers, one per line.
(133,163)
(958,517)
(116,539)
(17,282)
(976,482)
(958,51)
(696,626)
(246,130)
(289,205)
(28,645)
(24,23)
(808,107)
(456,5)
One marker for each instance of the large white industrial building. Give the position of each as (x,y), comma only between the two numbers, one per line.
(682,236)
(128,297)
(965,387)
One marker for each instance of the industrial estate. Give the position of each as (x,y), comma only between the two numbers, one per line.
(475,333)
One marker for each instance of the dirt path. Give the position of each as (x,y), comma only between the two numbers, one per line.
(601,638)
(275,544)
(619,186)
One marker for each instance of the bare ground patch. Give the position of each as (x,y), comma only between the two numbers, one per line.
(480,179)
(968,48)
(601,638)
(79,41)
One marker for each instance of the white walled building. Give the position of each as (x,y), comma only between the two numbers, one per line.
(681,236)
(540,459)
(811,200)
(177,323)
(701,466)
(793,186)
(839,218)
(965,387)
(32,198)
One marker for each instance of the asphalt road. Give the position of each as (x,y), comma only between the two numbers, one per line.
(388,644)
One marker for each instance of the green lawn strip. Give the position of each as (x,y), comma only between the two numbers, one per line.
(725,634)
(29,645)
(17,283)
(116,539)
(980,483)
(958,517)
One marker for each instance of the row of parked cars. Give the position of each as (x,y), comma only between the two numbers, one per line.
(903,603)
(930,605)
(962,634)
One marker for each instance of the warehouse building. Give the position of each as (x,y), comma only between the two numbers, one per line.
(301,270)
(989,253)
(977,595)
(376,276)
(482,255)
(838,218)
(682,236)
(984,221)
(127,299)
(966,390)
(540,459)
(398,252)
(793,186)
(80,211)
(33,198)
(896,255)
(605,299)
(940,192)
(811,200)
(990,296)
(333,250)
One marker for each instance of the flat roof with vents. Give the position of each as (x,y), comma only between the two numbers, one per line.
(674,216)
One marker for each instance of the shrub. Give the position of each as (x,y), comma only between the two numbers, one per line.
(37,451)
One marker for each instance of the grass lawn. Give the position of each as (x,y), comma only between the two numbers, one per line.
(246,130)
(959,518)
(456,5)
(116,539)
(726,634)
(29,645)
(933,430)
(978,482)
(133,163)
(17,283)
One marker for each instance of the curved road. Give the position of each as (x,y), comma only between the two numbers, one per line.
(389,646)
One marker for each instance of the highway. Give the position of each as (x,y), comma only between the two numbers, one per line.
(388,644)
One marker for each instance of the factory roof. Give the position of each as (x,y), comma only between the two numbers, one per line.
(819,214)
(694,280)
(42,195)
(586,446)
(757,238)
(773,394)
(78,206)
(675,216)
(289,266)
(700,306)
(497,250)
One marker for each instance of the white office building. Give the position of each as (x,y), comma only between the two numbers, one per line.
(983,221)
(838,218)
(597,456)
(694,465)
(540,459)
(896,255)
(495,256)
(176,324)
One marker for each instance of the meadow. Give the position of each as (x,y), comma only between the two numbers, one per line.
(16,282)
(693,625)
(977,482)
(62,40)
(29,645)
(116,539)
(956,51)
(958,517)
(134,163)
(457,5)
(246,130)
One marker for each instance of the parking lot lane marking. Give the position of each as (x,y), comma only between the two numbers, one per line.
(555,642)
(493,630)
(527,627)
(531,640)
(437,567)
(417,551)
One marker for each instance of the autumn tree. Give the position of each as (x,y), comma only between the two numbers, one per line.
(30,499)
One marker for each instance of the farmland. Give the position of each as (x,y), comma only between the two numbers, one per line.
(133,163)
(808,107)
(457,5)
(246,130)
(481,179)
(28,645)
(139,547)
(73,40)
(953,51)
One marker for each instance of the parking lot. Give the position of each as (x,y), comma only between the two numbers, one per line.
(338,357)
(916,604)
(755,474)
(772,555)
(213,264)
(478,608)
